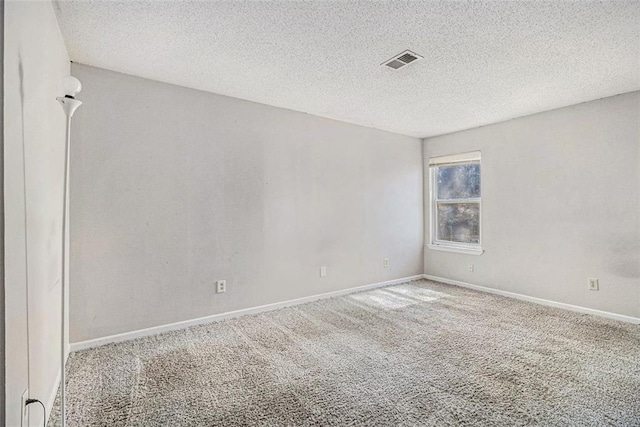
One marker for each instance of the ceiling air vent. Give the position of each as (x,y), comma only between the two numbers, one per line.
(402,59)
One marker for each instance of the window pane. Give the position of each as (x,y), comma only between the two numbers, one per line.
(458,181)
(459,222)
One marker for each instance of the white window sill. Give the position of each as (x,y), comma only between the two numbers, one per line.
(458,249)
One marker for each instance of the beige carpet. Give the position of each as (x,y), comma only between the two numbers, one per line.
(416,354)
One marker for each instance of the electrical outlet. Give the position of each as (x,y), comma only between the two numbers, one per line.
(593,285)
(470,268)
(385,263)
(24,413)
(221,286)
(323,271)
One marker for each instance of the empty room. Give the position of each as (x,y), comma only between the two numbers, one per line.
(320,213)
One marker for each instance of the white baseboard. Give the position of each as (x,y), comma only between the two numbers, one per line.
(82,345)
(576,308)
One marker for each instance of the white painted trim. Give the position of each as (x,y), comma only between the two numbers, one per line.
(56,384)
(576,308)
(458,249)
(52,396)
(433,242)
(82,345)
(473,156)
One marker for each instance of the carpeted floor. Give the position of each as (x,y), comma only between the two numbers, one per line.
(417,354)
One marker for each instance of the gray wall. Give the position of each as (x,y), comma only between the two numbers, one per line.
(560,193)
(35,62)
(173,188)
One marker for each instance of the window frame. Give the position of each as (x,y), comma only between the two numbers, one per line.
(446,245)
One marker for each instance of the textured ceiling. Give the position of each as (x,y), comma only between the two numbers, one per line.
(484,62)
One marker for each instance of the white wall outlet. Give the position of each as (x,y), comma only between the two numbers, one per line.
(470,268)
(385,263)
(593,285)
(24,413)
(323,271)
(221,286)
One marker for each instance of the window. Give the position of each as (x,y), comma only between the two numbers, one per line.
(456,203)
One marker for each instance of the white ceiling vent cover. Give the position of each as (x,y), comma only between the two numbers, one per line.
(402,59)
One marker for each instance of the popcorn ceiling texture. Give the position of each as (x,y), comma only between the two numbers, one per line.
(484,61)
(420,353)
